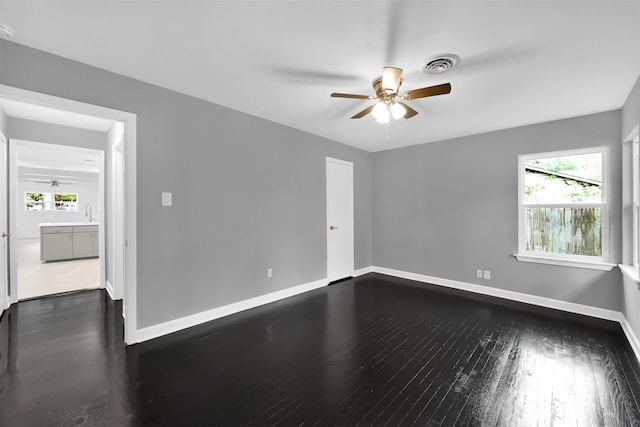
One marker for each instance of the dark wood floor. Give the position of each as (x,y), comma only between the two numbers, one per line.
(370,351)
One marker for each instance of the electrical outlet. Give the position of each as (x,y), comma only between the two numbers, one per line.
(167,199)
(269,272)
(486,274)
(479,274)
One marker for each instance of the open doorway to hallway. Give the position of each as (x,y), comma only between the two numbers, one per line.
(32,116)
(56,209)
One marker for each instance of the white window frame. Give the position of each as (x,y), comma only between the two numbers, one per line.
(568,260)
(631,187)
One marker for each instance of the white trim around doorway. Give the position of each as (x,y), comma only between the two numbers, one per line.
(130,196)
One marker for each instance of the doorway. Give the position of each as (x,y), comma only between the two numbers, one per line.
(340,231)
(55,211)
(67,113)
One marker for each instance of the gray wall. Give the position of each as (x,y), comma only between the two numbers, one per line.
(248,194)
(447,208)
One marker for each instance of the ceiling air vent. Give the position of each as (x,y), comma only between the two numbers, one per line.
(440,63)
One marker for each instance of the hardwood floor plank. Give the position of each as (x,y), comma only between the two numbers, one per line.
(374,350)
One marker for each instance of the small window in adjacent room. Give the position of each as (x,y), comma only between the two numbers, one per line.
(563,211)
(66,202)
(51,202)
(37,201)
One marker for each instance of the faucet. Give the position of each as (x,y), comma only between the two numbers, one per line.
(87,208)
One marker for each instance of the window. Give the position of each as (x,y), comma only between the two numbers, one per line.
(631,207)
(51,202)
(563,212)
(66,202)
(37,201)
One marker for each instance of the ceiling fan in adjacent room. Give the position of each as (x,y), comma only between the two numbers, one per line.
(54,182)
(50,180)
(390,101)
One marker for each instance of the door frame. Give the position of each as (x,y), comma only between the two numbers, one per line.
(351,208)
(129,197)
(118,221)
(4,194)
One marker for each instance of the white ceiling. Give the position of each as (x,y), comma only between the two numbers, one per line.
(52,158)
(522,62)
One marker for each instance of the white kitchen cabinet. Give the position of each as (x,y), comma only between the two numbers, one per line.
(94,244)
(56,245)
(85,241)
(81,244)
(68,241)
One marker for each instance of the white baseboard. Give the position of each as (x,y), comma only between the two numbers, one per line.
(175,325)
(631,336)
(109,288)
(171,326)
(571,307)
(362,271)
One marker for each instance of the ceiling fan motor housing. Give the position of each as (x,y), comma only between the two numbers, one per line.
(381,93)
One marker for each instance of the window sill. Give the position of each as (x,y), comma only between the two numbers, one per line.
(592,265)
(631,272)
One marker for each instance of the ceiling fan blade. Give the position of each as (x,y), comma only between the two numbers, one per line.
(364,112)
(410,111)
(427,91)
(349,95)
(391,79)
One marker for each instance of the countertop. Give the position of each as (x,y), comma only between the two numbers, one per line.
(66,224)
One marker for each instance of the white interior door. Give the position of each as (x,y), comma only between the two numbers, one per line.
(339,219)
(4,253)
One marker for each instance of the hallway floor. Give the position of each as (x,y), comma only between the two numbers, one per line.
(37,279)
(374,350)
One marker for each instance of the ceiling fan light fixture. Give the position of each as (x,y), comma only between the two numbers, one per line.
(383,119)
(381,112)
(397,111)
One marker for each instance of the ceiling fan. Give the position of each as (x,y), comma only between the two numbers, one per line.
(390,102)
(54,182)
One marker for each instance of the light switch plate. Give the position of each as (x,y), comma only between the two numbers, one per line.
(167,199)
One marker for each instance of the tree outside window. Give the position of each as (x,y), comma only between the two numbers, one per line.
(37,201)
(66,201)
(563,206)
